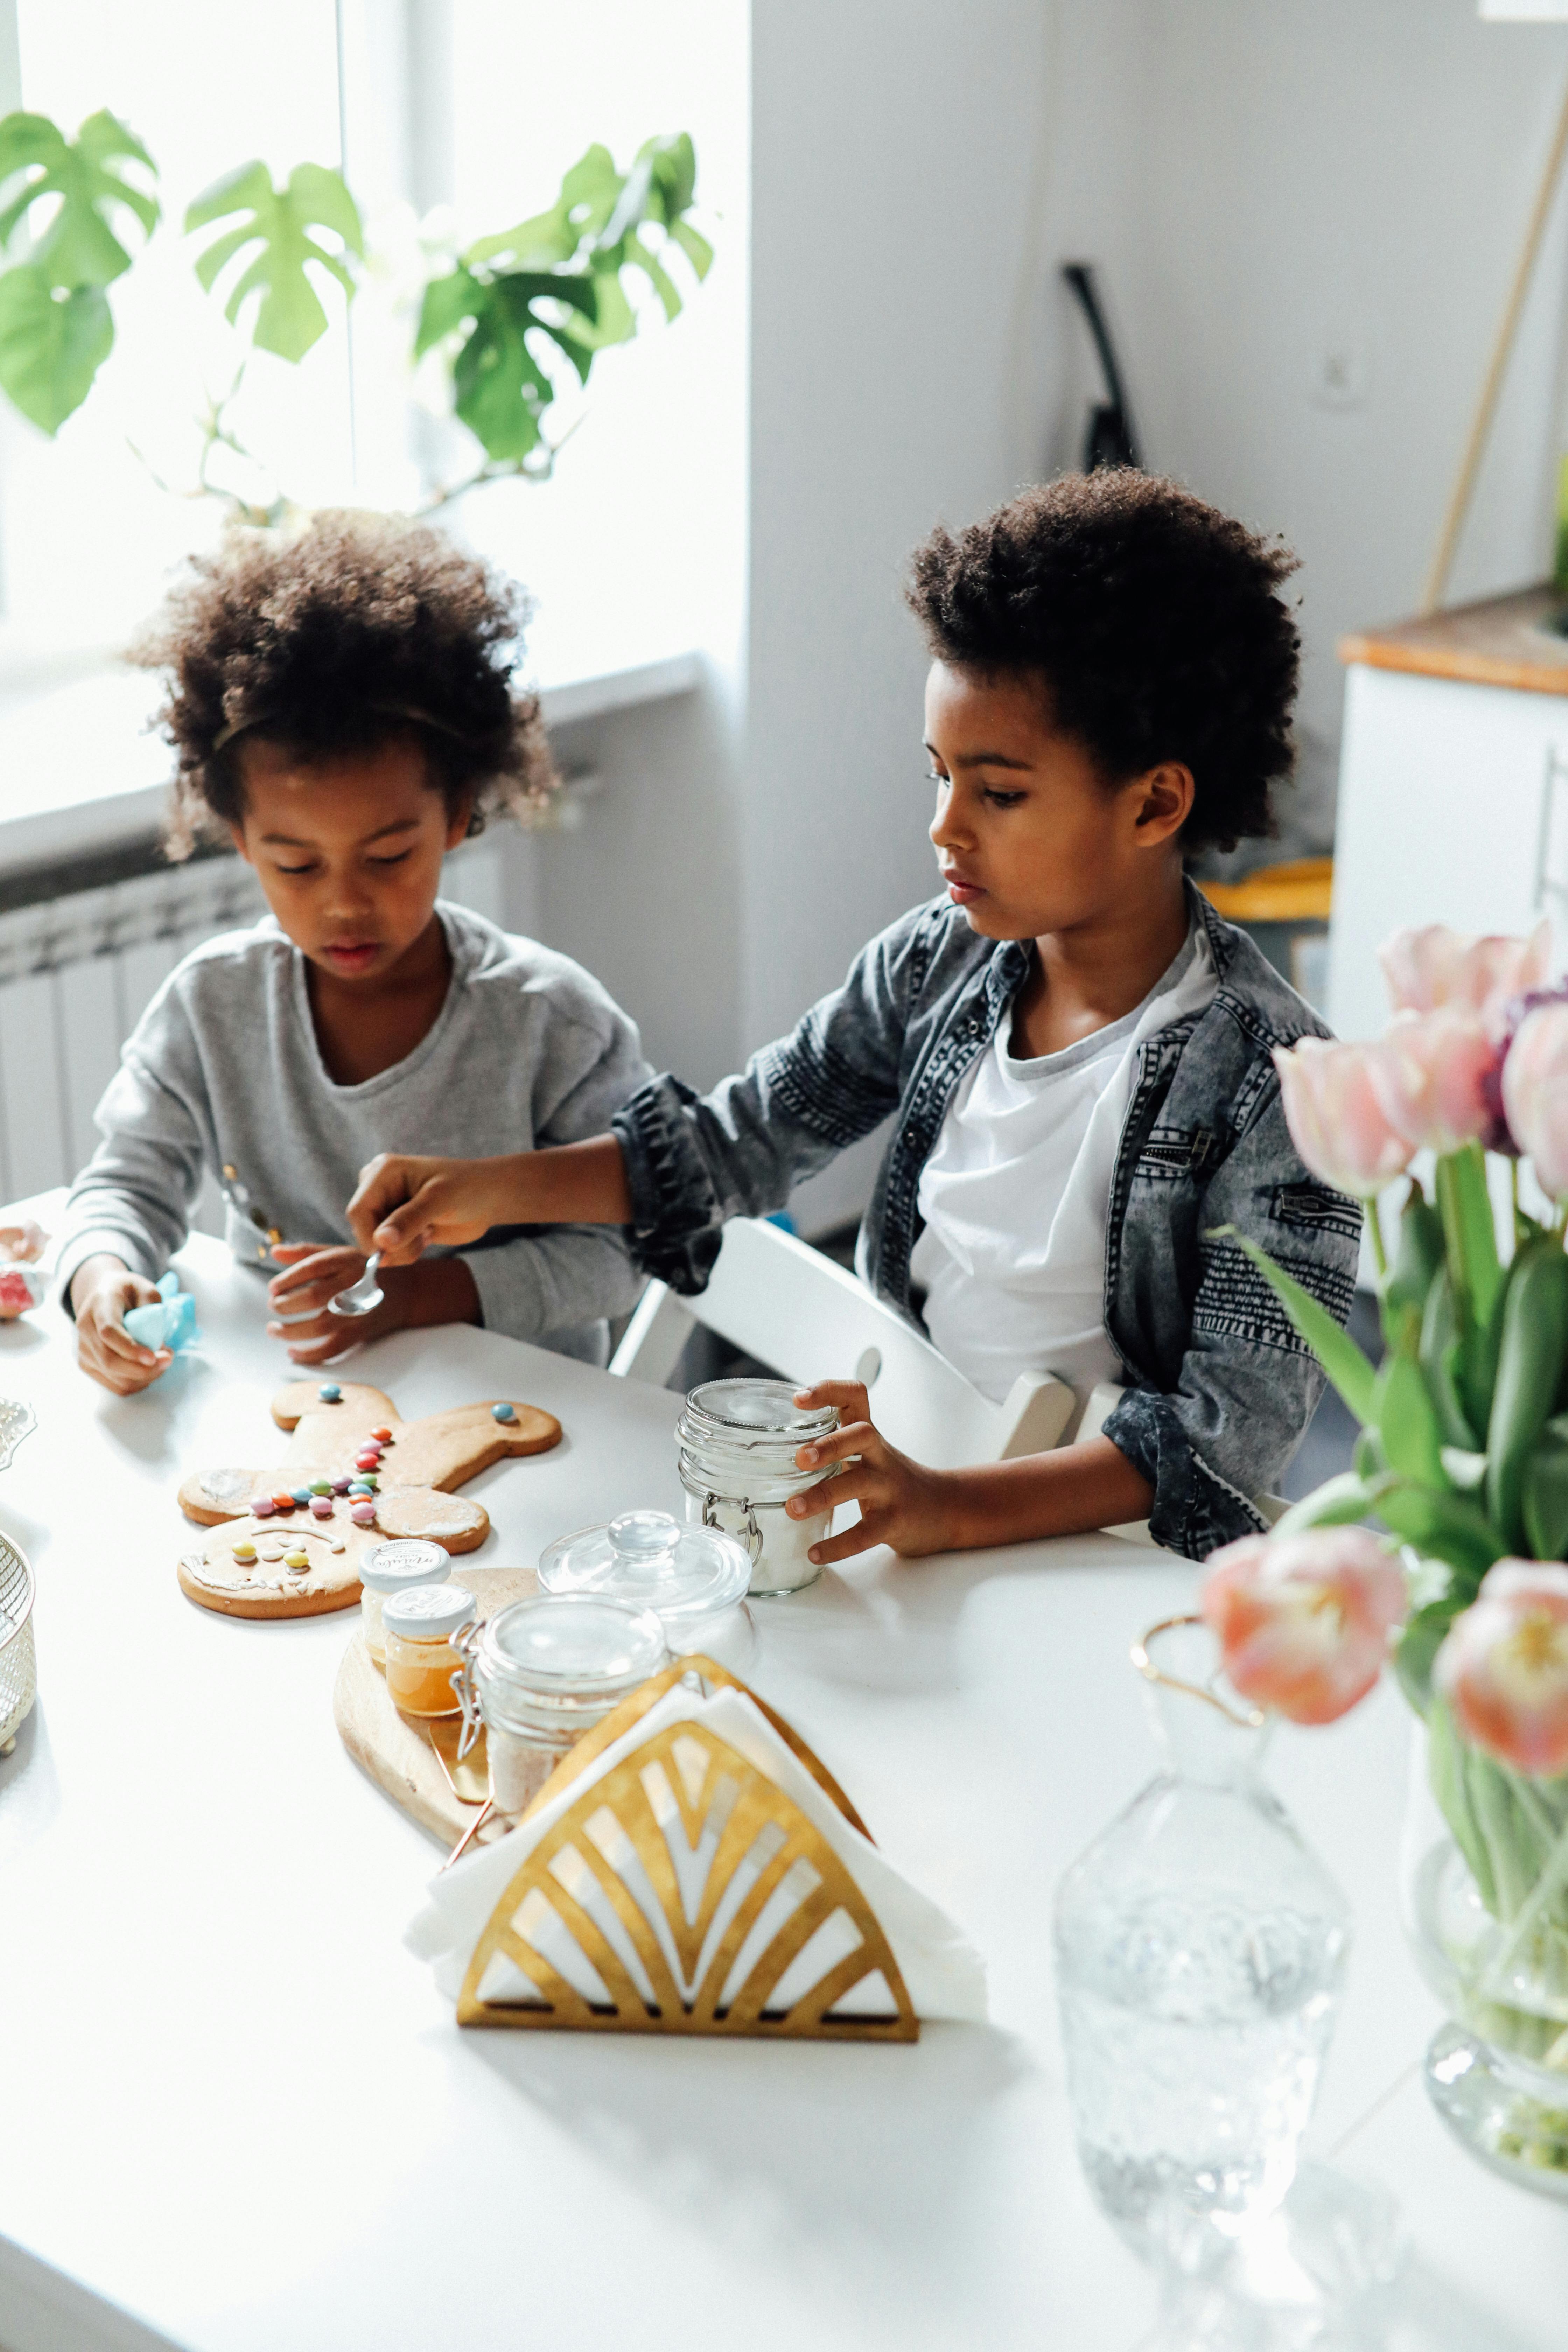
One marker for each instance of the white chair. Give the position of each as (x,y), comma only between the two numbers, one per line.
(812,1319)
(790,1306)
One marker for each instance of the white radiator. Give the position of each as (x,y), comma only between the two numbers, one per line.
(77,972)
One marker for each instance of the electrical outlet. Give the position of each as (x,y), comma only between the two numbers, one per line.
(1342,373)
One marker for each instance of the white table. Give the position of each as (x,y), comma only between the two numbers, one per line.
(236,2115)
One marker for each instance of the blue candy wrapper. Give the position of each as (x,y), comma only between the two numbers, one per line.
(172,1324)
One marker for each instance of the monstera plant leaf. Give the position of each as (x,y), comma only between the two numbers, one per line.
(558,276)
(79,247)
(52,343)
(56,329)
(501,390)
(278,222)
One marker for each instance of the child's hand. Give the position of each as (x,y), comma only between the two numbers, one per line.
(406,1203)
(317,1272)
(903,1505)
(101,1290)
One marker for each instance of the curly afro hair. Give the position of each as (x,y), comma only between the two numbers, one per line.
(334,638)
(1155,622)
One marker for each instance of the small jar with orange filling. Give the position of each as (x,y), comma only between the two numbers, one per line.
(417,1627)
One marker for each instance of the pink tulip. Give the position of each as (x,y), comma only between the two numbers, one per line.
(1335,1118)
(1430,1074)
(1303,1622)
(1503,1666)
(1433,967)
(1536,1094)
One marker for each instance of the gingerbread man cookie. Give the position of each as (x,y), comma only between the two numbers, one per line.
(288,1542)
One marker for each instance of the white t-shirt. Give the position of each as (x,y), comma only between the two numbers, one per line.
(1016,1194)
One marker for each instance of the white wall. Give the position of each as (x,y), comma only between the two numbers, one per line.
(893,152)
(1265,181)
(749,841)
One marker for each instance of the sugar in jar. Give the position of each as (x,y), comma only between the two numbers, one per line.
(545,1671)
(393,1568)
(738,1441)
(418,1626)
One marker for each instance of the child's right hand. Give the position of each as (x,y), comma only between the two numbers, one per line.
(101,1290)
(406,1203)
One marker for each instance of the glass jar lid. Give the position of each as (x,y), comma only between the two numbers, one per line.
(756,1411)
(651,1559)
(429,1612)
(399,1567)
(566,1645)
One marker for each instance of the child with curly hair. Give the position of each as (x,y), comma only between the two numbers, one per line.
(340,708)
(1076,1050)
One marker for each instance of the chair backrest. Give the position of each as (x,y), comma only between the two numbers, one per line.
(784,1302)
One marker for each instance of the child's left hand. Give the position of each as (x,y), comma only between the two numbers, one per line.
(902,1503)
(317,1272)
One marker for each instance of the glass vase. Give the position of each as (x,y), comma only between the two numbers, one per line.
(1485,1889)
(1200,1948)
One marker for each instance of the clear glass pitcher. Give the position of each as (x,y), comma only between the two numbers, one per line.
(1199,1950)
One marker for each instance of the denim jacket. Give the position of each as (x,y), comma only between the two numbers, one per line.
(1220,1387)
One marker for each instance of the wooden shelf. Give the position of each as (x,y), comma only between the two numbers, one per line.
(1502,641)
(1299,891)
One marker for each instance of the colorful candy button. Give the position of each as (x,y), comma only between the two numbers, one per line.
(301,1494)
(368,1459)
(322,1505)
(298,1557)
(383,1437)
(340,1486)
(245,1551)
(330,1392)
(281,1502)
(358,1485)
(503,1413)
(363,1513)
(321,1486)
(263,1506)
(369,1480)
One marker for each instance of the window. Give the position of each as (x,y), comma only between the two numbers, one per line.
(87,535)
(620,546)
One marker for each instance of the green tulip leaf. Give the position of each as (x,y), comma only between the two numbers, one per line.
(1469,1229)
(1418,1255)
(1368,1455)
(1339,1502)
(1530,1366)
(52,344)
(1442,1527)
(1466,1471)
(79,247)
(278,222)
(1418,1644)
(1442,1351)
(1407,1421)
(1546,1493)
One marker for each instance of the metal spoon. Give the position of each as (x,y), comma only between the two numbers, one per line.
(360,1296)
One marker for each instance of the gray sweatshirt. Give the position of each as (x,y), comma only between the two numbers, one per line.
(224,1068)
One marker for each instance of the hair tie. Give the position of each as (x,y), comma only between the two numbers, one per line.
(405,711)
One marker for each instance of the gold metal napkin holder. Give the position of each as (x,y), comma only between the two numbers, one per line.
(699,1784)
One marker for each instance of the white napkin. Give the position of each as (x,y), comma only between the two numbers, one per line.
(943,1974)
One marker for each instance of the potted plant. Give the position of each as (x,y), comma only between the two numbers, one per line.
(1462,1469)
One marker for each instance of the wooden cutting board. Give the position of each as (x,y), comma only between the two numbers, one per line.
(395,1749)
